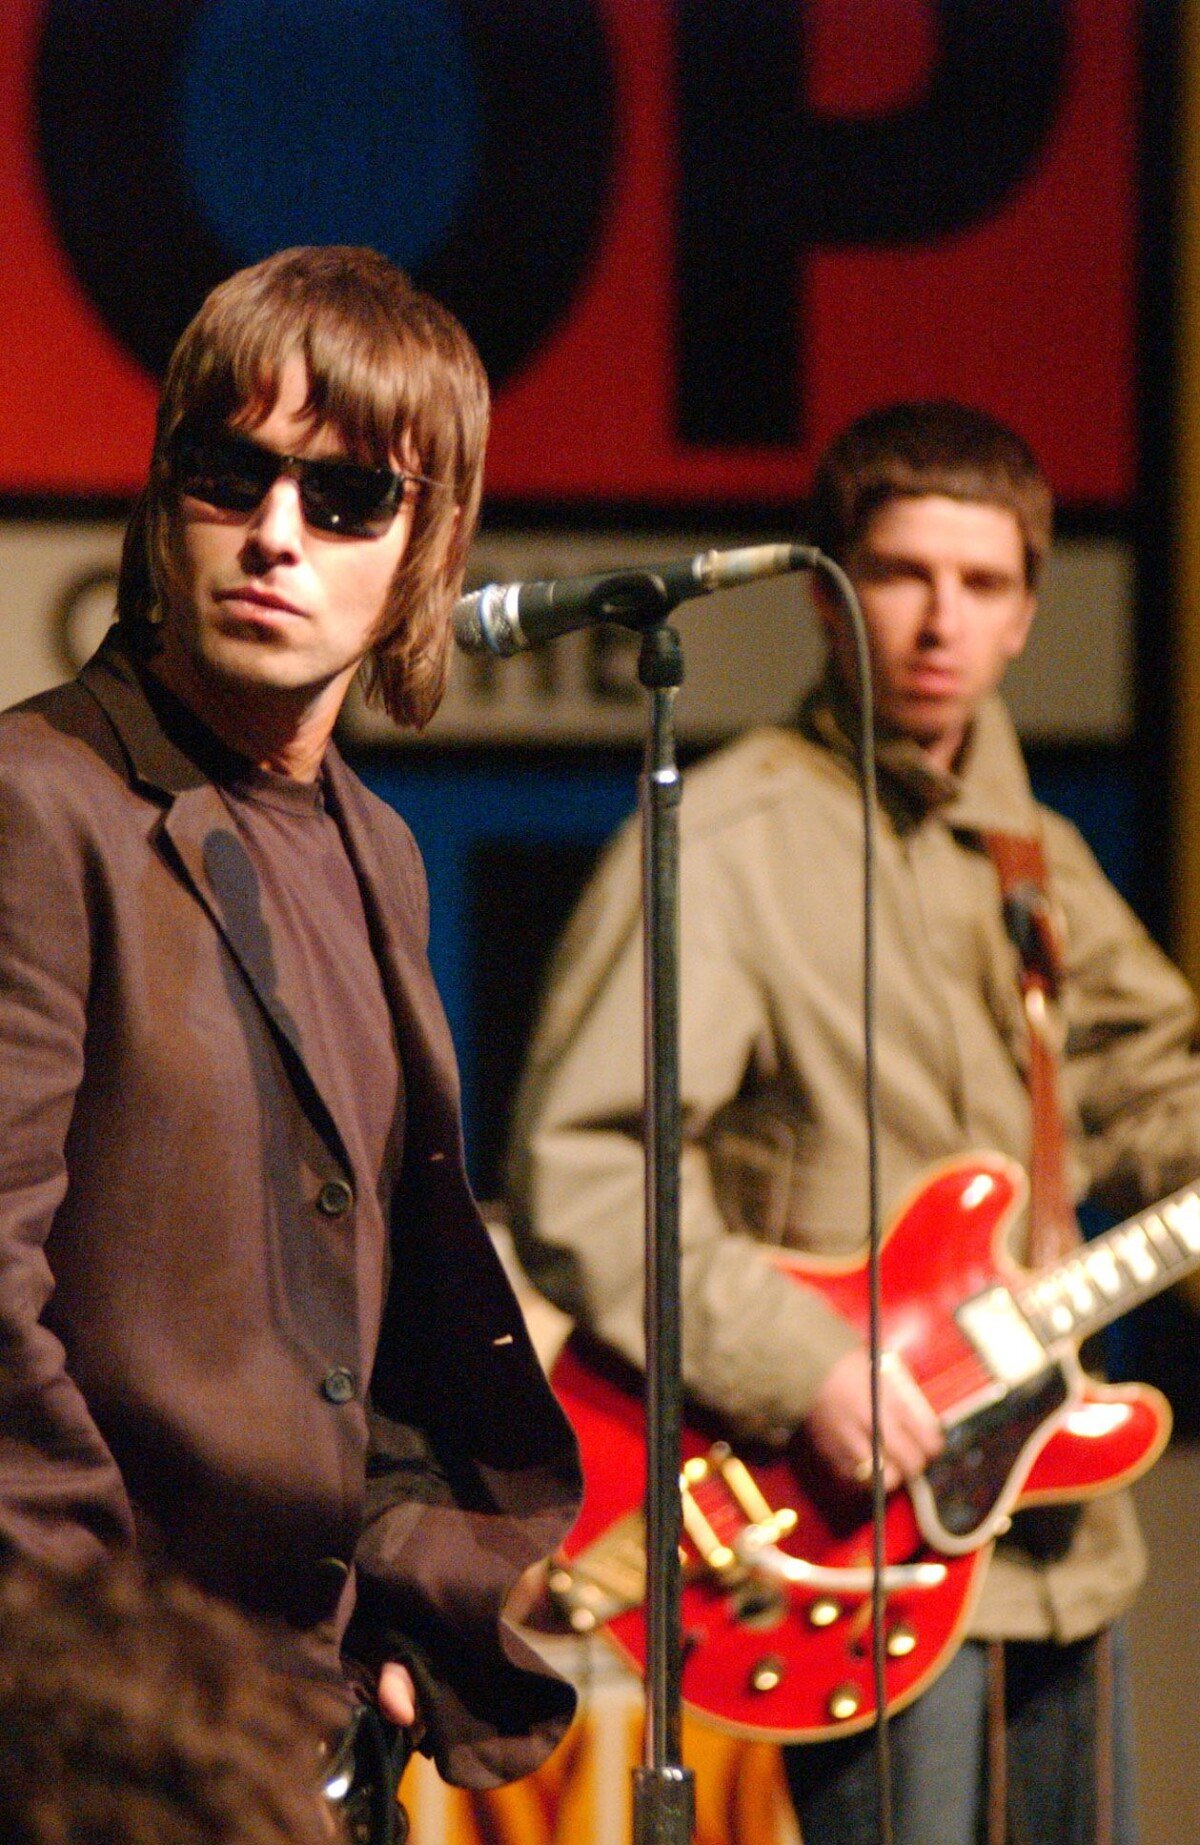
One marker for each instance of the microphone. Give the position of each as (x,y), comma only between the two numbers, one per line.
(503,618)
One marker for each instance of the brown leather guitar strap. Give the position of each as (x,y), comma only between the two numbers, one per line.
(997,1753)
(1021,867)
(1020,863)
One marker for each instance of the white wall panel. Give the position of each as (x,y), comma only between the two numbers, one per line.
(748,653)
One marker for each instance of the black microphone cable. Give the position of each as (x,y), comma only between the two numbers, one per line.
(852,608)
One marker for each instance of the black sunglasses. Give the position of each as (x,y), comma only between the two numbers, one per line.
(229,471)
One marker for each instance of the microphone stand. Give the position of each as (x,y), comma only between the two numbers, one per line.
(663,1789)
(642,600)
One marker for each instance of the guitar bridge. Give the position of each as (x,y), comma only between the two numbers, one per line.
(720,1504)
(737,1535)
(721,1498)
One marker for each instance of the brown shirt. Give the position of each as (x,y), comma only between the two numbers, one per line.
(314,907)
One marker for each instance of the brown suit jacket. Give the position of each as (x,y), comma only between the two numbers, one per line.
(196,1355)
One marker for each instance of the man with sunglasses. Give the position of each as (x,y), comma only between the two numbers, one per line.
(250,1321)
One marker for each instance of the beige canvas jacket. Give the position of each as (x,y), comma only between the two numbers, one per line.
(772,1074)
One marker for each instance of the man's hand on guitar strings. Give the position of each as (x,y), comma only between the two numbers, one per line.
(839,1423)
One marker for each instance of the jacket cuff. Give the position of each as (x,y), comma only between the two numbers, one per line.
(491,1709)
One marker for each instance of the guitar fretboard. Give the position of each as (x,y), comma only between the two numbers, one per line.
(1116,1271)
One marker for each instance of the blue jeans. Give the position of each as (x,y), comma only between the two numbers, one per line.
(939,1755)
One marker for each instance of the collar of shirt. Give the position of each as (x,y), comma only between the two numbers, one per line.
(988,790)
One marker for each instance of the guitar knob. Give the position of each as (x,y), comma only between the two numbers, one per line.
(768,1673)
(901,1641)
(845,1701)
(824,1613)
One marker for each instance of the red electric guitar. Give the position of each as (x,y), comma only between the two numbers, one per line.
(777,1583)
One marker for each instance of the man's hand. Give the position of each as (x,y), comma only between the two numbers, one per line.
(839,1423)
(397,1695)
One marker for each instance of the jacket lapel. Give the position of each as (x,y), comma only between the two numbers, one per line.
(205,842)
(397,905)
(198,835)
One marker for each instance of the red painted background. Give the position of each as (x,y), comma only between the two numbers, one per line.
(1031,314)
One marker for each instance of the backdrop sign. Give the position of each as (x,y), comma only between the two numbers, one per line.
(749,652)
(691,237)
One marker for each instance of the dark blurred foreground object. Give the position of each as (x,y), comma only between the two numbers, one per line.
(136,1711)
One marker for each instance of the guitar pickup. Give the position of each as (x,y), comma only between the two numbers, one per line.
(1002,1336)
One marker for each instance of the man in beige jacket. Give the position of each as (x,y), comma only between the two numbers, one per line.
(942,518)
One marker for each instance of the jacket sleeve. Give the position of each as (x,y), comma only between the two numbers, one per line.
(1132,1062)
(473,1478)
(61,1496)
(756,1347)
(472,1469)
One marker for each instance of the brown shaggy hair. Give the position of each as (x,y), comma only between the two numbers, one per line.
(907,450)
(394,374)
(135,1712)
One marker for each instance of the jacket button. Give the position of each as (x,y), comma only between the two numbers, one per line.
(334,1198)
(337,1385)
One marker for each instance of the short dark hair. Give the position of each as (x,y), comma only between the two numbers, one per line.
(389,369)
(937,447)
(141,1712)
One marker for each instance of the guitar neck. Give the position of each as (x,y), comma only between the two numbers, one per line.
(1116,1271)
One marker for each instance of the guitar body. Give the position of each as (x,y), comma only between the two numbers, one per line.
(792,1661)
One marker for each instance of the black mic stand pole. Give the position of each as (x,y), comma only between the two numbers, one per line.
(663,1790)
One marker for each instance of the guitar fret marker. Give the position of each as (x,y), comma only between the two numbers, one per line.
(1133,1247)
(1047,1297)
(1082,1299)
(1160,1236)
(1182,1217)
(1102,1267)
